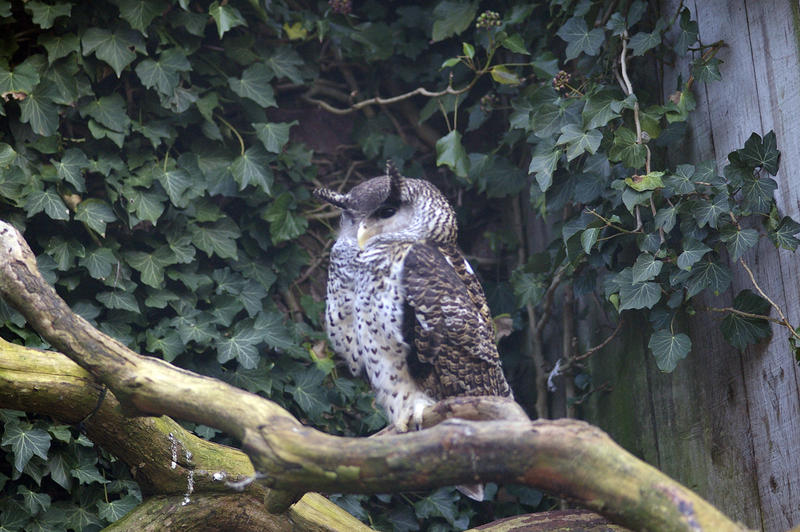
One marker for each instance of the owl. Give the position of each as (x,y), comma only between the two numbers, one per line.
(404,307)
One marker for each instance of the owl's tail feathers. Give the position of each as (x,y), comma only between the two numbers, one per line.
(473,491)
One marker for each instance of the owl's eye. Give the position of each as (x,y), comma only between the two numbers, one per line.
(385,212)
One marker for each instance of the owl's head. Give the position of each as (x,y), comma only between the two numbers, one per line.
(393,207)
(412,209)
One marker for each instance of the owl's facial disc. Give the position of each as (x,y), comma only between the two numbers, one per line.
(386,219)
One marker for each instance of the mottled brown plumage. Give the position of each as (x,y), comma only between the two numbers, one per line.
(420,326)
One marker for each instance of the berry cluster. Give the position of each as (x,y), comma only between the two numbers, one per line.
(488,19)
(488,102)
(561,81)
(342,7)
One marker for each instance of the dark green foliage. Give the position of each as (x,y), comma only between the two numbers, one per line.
(159,154)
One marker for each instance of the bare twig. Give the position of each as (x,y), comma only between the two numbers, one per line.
(783,321)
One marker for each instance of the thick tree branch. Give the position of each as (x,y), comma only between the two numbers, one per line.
(567,458)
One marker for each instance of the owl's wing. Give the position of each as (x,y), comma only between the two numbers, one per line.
(453,340)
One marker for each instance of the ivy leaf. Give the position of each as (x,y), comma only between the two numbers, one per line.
(115,48)
(274,136)
(528,288)
(225,16)
(58,466)
(147,204)
(681,181)
(759,153)
(26,441)
(708,274)
(543,164)
(758,194)
(669,348)
(7,155)
(99,262)
(579,39)
(273,331)
(115,510)
(44,15)
(687,36)
(240,345)
(286,63)
(254,84)
(23,79)
(47,201)
(601,108)
(649,181)
(450,152)
(151,265)
(309,394)
(117,299)
(501,74)
(95,213)
(140,13)
(109,111)
(452,18)
(163,74)
(636,295)
(438,504)
(645,268)
(285,224)
(70,168)
(783,235)
(589,238)
(707,212)
(40,113)
(579,141)
(693,251)
(707,71)
(33,502)
(665,218)
(515,43)
(625,149)
(741,331)
(218,238)
(738,240)
(176,183)
(252,168)
(644,41)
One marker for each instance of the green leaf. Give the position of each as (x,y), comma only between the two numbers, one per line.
(40,113)
(579,39)
(708,211)
(644,41)
(70,168)
(783,235)
(285,62)
(665,218)
(116,49)
(528,288)
(7,155)
(689,30)
(117,299)
(741,331)
(64,252)
(274,136)
(693,251)
(255,84)
(601,108)
(147,204)
(645,268)
(151,265)
(708,274)
(99,262)
(441,503)
(225,16)
(309,394)
(501,74)
(273,330)
(140,13)
(738,240)
(451,18)
(758,194)
(34,502)
(218,238)
(649,181)
(109,111)
(178,185)
(681,181)
(468,49)
(515,43)
(636,295)
(579,141)
(95,213)
(759,153)
(252,168)
(44,15)
(707,71)
(163,74)
(47,201)
(589,238)
(669,348)
(625,149)
(241,345)
(285,224)
(23,79)
(450,152)
(543,164)
(115,510)
(58,466)
(25,441)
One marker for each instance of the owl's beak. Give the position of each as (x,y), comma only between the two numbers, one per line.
(363,235)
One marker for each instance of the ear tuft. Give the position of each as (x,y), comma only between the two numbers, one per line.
(332,197)
(395,183)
